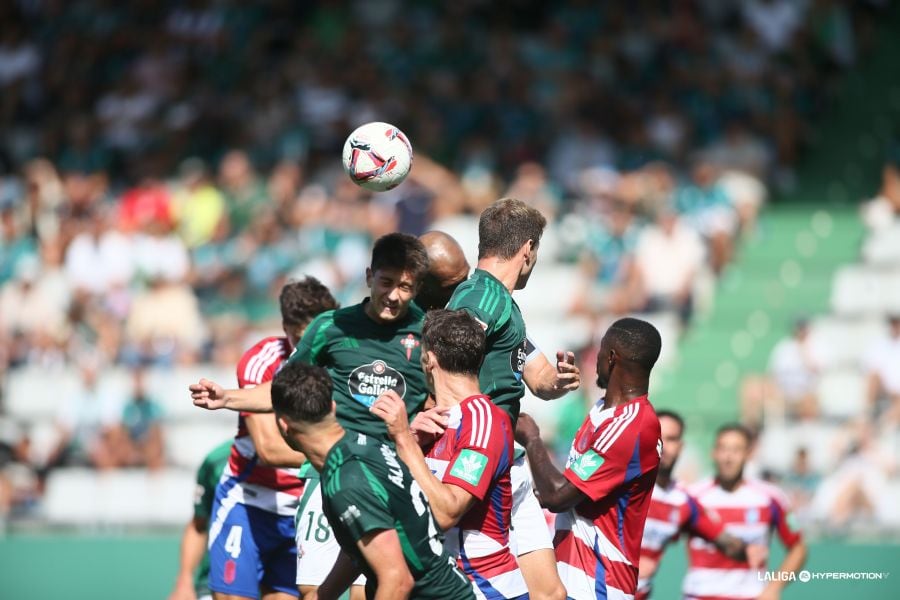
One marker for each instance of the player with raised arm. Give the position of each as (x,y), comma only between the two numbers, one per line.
(465,472)
(191,583)
(252,536)
(378,512)
(509,233)
(367,348)
(748,509)
(673,512)
(604,492)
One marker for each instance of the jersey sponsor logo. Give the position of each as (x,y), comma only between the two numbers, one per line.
(673,516)
(517,359)
(469,466)
(410,343)
(587,464)
(752,515)
(367,382)
(350,515)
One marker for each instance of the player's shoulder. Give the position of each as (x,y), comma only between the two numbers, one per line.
(260,358)
(769,490)
(481,293)
(218,456)
(700,488)
(272,345)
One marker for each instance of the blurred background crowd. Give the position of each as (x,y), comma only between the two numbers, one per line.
(166,165)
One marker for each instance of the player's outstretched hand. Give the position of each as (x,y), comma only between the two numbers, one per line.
(208,394)
(757,555)
(429,425)
(389,407)
(568,375)
(526,429)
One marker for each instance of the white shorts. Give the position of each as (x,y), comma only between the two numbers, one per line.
(317,549)
(528,526)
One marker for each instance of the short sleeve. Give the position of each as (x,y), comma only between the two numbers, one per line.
(699,522)
(361,502)
(783,522)
(203,491)
(531,350)
(479,451)
(612,460)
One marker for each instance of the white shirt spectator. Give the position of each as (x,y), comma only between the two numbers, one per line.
(794,365)
(97,265)
(883,360)
(668,261)
(161,257)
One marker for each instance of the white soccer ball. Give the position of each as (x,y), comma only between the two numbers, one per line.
(377,156)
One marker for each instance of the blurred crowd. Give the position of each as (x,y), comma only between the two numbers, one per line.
(166,165)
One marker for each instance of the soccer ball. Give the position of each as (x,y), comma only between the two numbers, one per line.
(377,156)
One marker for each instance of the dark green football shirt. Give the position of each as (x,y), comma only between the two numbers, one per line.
(507,347)
(366,359)
(366,488)
(208,476)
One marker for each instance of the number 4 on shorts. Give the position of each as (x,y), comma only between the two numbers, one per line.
(233,541)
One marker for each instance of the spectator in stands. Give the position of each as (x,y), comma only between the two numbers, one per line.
(704,205)
(607,262)
(245,194)
(18,477)
(142,427)
(857,490)
(198,205)
(668,256)
(800,484)
(882,365)
(88,426)
(883,211)
(795,365)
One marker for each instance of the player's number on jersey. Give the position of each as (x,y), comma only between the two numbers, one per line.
(233,541)
(323,529)
(421,506)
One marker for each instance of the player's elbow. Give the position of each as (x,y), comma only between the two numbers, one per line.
(398,580)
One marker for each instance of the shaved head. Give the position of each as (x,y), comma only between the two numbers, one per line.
(447,268)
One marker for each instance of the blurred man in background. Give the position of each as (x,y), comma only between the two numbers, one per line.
(748,509)
(673,512)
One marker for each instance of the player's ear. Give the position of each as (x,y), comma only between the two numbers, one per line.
(369,276)
(333,407)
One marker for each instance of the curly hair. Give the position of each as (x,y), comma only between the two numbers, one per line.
(456,340)
(302,392)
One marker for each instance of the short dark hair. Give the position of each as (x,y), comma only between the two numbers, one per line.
(674,416)
(738,428)
(636,341)
(302,300)
(302,392)
(400,251)
(456,339)
(507,224)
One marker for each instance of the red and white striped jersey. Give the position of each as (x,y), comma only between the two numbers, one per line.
(672,512)
(271,489)
(613,461)
(750,512)
(476,453)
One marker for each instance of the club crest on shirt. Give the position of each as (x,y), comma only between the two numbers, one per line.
(752,515)
(410,343)
(369,381)
(673,516)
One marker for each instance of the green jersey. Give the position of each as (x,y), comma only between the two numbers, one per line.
(208,476)
(507,346)
(366,359)
(366,488)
